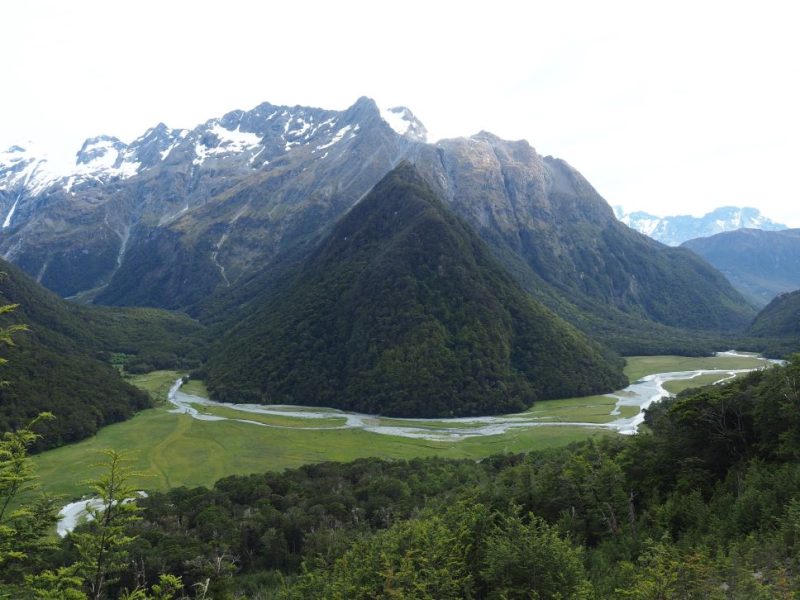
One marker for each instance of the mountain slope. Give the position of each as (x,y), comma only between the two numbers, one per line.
(121,223)
(674,230)
(780,319)
(209,217)
(303,189)
(58,365)
(401,310)
(542,211)
(760,264)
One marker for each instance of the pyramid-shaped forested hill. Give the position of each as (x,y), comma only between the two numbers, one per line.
(402,311)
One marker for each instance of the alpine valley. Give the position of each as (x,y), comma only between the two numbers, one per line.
(300,257)
(203,220)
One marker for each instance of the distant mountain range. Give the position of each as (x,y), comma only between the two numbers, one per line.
(760,264)
(674,230)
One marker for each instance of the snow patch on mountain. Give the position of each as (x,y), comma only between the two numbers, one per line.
(10,214)
(338,136)
(236,140)
(104,158)
(25,168)
(220,141)
(404,123)
(165,153)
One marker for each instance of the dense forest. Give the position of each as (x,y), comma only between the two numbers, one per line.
(402,311)
(706,504)
(776,329)
(63,359)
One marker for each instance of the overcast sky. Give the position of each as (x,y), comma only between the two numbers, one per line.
(670,107)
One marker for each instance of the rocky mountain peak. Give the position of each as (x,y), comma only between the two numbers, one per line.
(156,144)
(403,121)
(23,169)
(103,148)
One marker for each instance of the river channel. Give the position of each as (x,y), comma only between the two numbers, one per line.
(639,395)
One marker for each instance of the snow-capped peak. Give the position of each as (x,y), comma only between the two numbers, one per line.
(105,157)
(102,151)
(25,167)
(403,121)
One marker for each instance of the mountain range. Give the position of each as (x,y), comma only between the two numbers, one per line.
(674,230)
(219,220)
(402,310)
(760,264)
(181,218)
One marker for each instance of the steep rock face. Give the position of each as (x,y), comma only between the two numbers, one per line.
(760,264)
(178,216)
(674,230)
(401,310)
(545,212)
(243,227)
(258,170)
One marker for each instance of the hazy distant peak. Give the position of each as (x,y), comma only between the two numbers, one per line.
(674,230)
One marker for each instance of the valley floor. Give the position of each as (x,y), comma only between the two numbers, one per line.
(171,449)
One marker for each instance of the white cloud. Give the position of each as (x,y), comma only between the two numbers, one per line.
(675,107)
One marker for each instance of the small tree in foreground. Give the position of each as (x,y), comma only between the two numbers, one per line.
(25,520)
(103,546)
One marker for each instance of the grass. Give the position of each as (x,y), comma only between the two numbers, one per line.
(675,387)
(639,366)
(195,387)
(157,383)
(274,420)
(169,450)
(590,409)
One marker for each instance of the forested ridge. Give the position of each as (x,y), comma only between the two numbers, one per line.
(706,504)
(62,362)
(402,311)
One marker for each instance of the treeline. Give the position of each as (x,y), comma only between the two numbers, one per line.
(705,505)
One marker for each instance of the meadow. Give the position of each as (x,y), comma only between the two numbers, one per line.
(170,450)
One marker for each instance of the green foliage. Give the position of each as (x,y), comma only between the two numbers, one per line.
(466,552)
(61,364)
(102,546)
(61,584)
(778,325)
(402,311)
(23,525)
(166,589)
(527,558)
(663,571)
